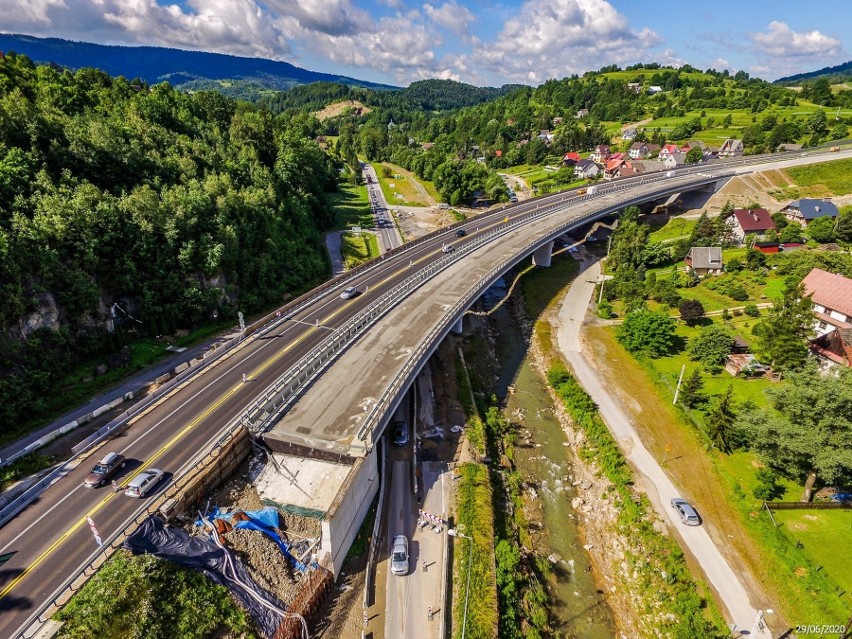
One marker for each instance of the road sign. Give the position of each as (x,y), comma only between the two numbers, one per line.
(94,531)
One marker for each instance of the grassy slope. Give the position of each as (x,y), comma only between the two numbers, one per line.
(351,207)
(404,186)
(720,486)
(836,176)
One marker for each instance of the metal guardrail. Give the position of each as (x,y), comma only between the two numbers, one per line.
(342,338)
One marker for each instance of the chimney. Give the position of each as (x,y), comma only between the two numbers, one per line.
(817,209)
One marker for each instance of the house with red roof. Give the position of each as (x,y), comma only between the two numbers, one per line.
(756,221)
(667,150)
(832,297)
(571,158)
(614,165)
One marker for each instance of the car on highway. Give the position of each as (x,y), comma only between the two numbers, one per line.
(448,248)
(104,470)
(399,555)
(144,482)
(400,433)
(688,514)
(348,293)
(461,233)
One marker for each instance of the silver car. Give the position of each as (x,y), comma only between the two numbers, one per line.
(687,513)
(399,555)
(349,293)
(144,482)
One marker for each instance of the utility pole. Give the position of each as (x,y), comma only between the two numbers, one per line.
(677,390)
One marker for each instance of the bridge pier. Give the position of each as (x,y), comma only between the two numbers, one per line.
(541,256)
(458,327)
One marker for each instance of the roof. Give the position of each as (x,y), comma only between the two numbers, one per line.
(602,148)
(639,145)
(613,163)
(829,290)
(705,256)
(812,209)
(572,155)
(835,345)
(671,148)
(586,164)
(754,220)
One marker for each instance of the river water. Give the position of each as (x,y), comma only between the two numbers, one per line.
(578,608)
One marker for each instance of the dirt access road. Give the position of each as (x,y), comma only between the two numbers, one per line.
(722,576)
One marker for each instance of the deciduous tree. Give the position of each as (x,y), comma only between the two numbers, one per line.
(647,333)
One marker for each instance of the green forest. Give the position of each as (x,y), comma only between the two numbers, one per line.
(174,207)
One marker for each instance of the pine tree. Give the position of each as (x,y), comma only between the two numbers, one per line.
(720,421)
(691,392)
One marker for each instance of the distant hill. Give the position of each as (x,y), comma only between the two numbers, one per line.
(239,77)
(434,96)
(835,75)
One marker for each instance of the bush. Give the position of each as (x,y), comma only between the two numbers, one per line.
(711,347)
(647,333)
(735,265)
(737,292)
(605,310)
(768,488)
(752,311)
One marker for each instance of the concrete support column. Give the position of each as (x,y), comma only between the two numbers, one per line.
(458,327)
(542,255)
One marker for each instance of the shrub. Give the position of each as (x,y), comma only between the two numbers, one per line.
(752,311)
(711,347)
(605,310)
(737,292)
(647,333)
(768,488)
(735,265)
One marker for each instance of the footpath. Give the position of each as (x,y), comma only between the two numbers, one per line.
(721,575)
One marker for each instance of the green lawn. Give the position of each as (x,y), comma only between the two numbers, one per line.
(836,175)
(826,537)
(351,206)
(358,247)
(674,228)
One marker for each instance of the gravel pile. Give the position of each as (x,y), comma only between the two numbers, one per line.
(265,562)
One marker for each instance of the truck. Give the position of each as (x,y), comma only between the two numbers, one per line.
(592,190)
(669,173)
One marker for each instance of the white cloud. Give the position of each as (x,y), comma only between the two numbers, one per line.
(782,41)
(557,38)
(451,16)
(719,64)
(333,17)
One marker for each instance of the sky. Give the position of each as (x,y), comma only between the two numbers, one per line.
(474,41)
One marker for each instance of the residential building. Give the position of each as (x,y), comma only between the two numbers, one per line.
(571,158)
(614,165)
(582,113)
(545,135)
(834,347)
(731,148)
(668,150)
(655,89)
(805,211)
(639,150)
(756,221)
(832,298)
(704,260)
(675,160)
(600,153)
(629,134)
(586,169)
(636,87)
(653,149)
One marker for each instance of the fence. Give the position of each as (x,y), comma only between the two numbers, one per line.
(809,505)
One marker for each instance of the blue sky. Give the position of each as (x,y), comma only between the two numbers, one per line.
(483,43)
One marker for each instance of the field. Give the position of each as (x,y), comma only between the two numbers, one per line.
(674,228)
(836,176)
(351,206)
(721,487)
(358,247)
(403,188)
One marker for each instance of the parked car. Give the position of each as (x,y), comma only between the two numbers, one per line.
(448,248)
(400,433)
(461,233)
(144,482)
(688,515)
(399,555)
(348,293)
(104,470)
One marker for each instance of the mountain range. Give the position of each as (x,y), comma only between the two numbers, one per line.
(836,74)
(182,69)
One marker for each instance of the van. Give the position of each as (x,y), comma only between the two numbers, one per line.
(687,513)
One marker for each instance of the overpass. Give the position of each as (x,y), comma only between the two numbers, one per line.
(321,380)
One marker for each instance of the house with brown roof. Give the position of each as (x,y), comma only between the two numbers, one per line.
(639,150)
(704,260)
(586,169)
(835,347)
(600,153)
(832,297)
(757,221)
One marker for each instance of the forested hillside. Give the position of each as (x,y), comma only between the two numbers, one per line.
(835,74)
(176,207)
(461,149)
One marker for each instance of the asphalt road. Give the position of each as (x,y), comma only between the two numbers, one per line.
(50,540)
(389,237)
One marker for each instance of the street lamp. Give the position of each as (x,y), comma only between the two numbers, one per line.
(456,532)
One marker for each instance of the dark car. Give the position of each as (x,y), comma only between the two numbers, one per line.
(104,470)
(461,233)
(400,433)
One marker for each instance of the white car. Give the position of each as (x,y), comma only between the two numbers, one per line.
(448,248)
(144,482)
(348,293)
(399,555)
